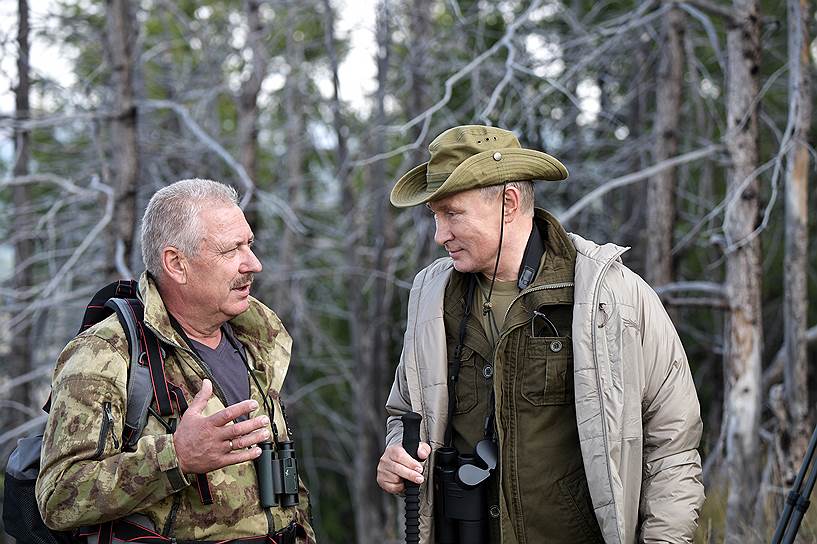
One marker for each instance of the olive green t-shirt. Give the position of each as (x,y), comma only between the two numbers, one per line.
(501,295)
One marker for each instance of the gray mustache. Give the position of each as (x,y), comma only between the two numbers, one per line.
(242,280)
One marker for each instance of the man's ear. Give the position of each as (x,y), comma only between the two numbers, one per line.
(512,200)
(174,264)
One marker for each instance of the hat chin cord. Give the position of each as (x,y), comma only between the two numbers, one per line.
(486,306)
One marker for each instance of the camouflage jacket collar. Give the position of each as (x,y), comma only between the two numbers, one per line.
(258,329)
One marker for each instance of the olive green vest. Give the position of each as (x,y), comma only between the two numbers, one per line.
(544,495)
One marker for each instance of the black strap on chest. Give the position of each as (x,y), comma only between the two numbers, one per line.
(530,260)
(454,361)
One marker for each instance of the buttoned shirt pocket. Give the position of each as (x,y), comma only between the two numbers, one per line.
(547,371)
(467,393)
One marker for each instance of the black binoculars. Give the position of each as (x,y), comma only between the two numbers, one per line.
(460,502)
(277,471)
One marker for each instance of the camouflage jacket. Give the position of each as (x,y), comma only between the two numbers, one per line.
(85,476)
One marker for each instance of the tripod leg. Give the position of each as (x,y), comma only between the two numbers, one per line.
(796,502)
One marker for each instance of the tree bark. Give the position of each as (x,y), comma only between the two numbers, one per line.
(795,302)
(743,271)
(20,358)
(661,188)
(382,297)
(419,70)
(290,292)
(248,99)
(121,27)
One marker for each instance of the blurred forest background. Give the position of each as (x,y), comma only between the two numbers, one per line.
(686,127)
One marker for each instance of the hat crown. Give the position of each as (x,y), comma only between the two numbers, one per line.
(455,145)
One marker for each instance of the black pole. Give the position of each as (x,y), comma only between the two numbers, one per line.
(411,441)
(796,502)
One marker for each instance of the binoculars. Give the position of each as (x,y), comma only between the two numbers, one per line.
(277,471)
(461,493)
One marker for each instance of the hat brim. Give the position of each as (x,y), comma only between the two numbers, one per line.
(480,170)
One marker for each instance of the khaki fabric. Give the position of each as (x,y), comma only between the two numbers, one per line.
(501,297)
(637,412)
(86,479)
(472,156)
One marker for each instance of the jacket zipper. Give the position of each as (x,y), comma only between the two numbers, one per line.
(520,295)
(509,331)
(107,427)
(538,288)
(171,517)
(593,329)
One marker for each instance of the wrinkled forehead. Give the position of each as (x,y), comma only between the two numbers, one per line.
(224,223)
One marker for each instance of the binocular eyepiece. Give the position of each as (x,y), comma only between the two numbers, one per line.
(277,470)
(461,494)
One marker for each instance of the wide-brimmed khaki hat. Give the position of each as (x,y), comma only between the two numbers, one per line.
(469,157)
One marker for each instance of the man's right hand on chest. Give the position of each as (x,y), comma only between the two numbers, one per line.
(206,443)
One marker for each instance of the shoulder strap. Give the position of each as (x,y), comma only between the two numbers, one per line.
(97,310)
(146,375)
(146,379)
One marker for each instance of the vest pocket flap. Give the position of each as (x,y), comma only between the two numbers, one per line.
(466,391)
(547,374)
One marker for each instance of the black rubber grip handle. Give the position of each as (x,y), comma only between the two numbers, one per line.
(411,441)
(412,513)
(411,433)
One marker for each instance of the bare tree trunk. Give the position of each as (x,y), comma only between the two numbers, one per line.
(420,31)
(795,302)
(248,98)
(121,30)
(20,359)
(370,519)
(743,271)
(382,294)
(290,292)
(661,188)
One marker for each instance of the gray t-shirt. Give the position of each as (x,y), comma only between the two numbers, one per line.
(227,367)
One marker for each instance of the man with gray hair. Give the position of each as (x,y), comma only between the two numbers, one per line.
(226,354)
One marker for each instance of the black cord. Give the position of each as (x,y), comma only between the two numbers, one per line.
(270,409)
(486,306)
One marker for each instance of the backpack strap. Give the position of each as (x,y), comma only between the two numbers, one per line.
(146,375)
(97,310)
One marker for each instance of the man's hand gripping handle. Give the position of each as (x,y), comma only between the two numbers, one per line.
(411,441)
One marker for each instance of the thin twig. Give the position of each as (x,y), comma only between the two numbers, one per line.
(628,179)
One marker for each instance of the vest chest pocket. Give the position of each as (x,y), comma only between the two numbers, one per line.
(547,371)
(467,394)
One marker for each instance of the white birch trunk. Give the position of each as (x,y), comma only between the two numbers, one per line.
(795,302)
(743,272)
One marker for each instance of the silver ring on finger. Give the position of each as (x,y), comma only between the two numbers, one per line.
(230,442)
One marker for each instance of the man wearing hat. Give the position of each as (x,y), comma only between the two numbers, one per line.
(548,375)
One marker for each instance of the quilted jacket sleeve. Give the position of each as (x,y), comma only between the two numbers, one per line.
(672,490)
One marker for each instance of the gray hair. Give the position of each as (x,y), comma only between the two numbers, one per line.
(525,189)
(172,218)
